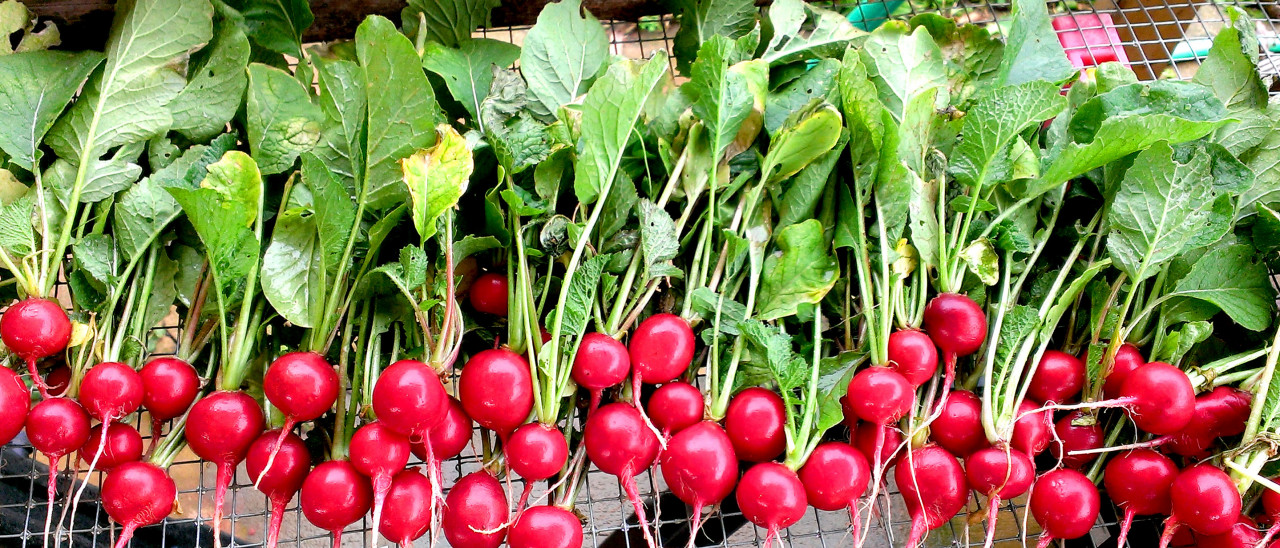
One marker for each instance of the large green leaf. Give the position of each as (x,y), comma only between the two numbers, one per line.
(436,178)
(468,69)
(610,112)
(721,97)
(827,33)
(280,119)
(1229,279)
(293,270)
(275,25)
(519,140)
(563,53)
(216,88)
(17,235)
(903,65)
(1264,160)
(342,98)
(802,274)
(982,157)
(448,22)
(1231,70)
(807,136)
(36,88)
(1032,51)
(701,20)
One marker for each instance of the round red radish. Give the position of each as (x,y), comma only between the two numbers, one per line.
(58,380)
(409,398)
(496,390)
(1000,473)
(537,451)
(1034,431)
(449,437)
(1204,499)
(601,362)
(220,428)
(56,427)
(675,406)
(621,444)
(1163,401)
(956,324)
(880,395)
(488,294)
(1271,510)
(834,476)
(302,385)
(1222,412)
(756,421)
(15,403)
(661,348)
(958,428)
(335,495)
(1076,437)
(1139,482)
(111,390)
(700,467)
(169,387)
(1065,504)
(546,527)
(1059,378)
(913,355)
(379,453)
(137,494)
(1243,534)
(123,444)
(289,469)
(35,329)
(475,514)
(1128,358)
(865,439)
(406,515)
(771,496)
(933,487)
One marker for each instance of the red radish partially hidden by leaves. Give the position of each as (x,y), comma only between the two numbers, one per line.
(1160,398)
(302,385)
(35,329)
(111,390)
(546,527)
(1059,378)
(123,444)
(335,495)
(1243,534)
(407,511)
(675,406)
(1204,499)
(220,429)
(958,428)
(661,348)
(933,487)
(868,436)
(1139,482)
(475,514)
(1065,503)
(1076,437)
(137,494)
(282,482)
(536,451)
(913,355)
(601,362)
(771,496)
(621,444)
(496,390)
(409,398)
(169,387)
(1222,412)
(58,380)
(700,467)
(15,403)
(755,421)
(56,427)
(1000,473)
(1128,358)
(1034,431)
(379,453)
(958,327)
(488,294)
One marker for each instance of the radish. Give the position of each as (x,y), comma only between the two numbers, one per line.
(220,428)
(536,451)
(1271,507)
(1000,473)
(834,477)
(123,444)
(1204,499)
(137,494)
(15,403)
(1242,534)
(771,496)
(409,398)
(111,390)
(601,362)
(1222,412)
(933,487)
(1065,504)
(1159,398)
(488,294)
(303,386)
(1076,437)
(700,467)
(1139,482)
(475,514)
(449,437)
(867,437)
(755,422)
(379,453)
(282,482)
(335,495)
(619,443)
(35,329)
(958,327)
(1059,378)
(496,390)
(169,386)
(675,406)
(546,527)
(958,428)
(1128,358)
(661,348)
(1034,431)
(880,396)
(58,380)
(407,510)
(913,355)
(56,427)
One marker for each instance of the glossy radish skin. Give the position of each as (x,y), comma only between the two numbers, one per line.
(409,398)
(1000,473)
(661,348)
(1204,499)
(488,294)
(601,362)
(1059,378)
(755,421)
(335,495)
(1139,482)
(834,476)
(700,467)
(913,355)
(1271,509)
(771,496)
(450,436)
(35,329)
(958,428)
(123,444)
(865,439)
(56,427)
(1076,437)
(619,443)
(1243,534)
(536,451)
(302,385)
(379,453)
(1221,412)
(137,494)
(933,488)
(880,395)
(169,387)
(288,471)
(407,511)
(1033,432)
(475,514)
(220,428)
(58,380)
(958,327)
(1128,358)
(675,406)
(15,403)
(111,390)
(1065,503)
(496,390)
(546,527)
(1161,396)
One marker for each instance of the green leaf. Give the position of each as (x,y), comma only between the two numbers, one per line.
(1180,99)
(801,196)
(1067,299)
(805,138)
(343,100)
(470,245)
(164,291)
(563,53)
(703,20)
(281,121)
(993,124)
(518,139)
(903,65)
(610,112)
(803,273)
(95,256)
(335,213)
(581,297)
(468,70)
(1019,323)
(38,85)
(293,269)
(829,32)
(1266,229)
(922,217)
(659,242)
(1231,70)
(817,83)
(1264,160)
(775,344)
(275,25)
(437,177)
(834,374)
(1228,278)
(17,234)
(1032,51)
(982,260)
(705,303)
(721,97)
(216,86)
(1178,342)
(448,22)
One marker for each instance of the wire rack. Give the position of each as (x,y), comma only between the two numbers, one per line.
(1159,38)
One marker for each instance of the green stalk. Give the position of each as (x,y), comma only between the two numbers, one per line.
(239,358)
(808,424)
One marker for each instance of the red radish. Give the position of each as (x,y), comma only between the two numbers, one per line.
(958,327)
(675,406)
(56,427)
(335,495)
(700,467)
(1059,378)
(1065,503)
(601,362)
(137,494)
(834,477)
(536,451)
(1034,431)
(110,391)
(123,444)
(1220,413)
(867,437)
(220,428)
(755,421)
(958,428)
(409,398)
(1243,534)
(35,329)
(1160,398)
(621,444)
(379,453)
(303,386)
(1139,482)
(771,496)
(1128,358)
(661,348)
(546,527)
(933,487)
(15,403)
(1204,499)
(488,294)
(58,380)
(169,386)
(880,395)
(496,390)
(1000,473)
(282,482)
(449,437)
(913,355)
(1076,437)
(408,508)
(1271,507)
(475,514)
